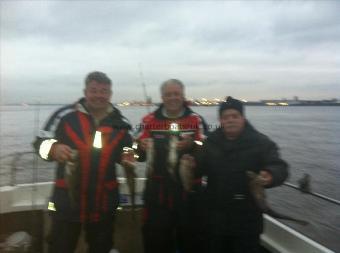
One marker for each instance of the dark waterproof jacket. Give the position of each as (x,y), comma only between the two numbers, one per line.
(232,209)
(98,187)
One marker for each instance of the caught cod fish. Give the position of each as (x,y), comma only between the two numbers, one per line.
(130,178)
(173,156)
(256,183)
(72,177)
(130,174)
(186,171)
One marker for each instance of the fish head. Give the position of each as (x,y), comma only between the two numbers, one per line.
(251,175)
(256,187)
(255,178)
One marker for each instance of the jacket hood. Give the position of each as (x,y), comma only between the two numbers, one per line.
(248,133)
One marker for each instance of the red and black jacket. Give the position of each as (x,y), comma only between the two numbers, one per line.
(161,189)
(98,189)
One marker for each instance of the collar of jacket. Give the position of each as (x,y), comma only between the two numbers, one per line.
(160,115)
(118,120)
(248,137)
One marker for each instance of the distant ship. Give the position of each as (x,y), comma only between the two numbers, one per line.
(269,102)
(297,102)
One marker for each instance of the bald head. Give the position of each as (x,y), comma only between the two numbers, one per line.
(172,92)
(166,83)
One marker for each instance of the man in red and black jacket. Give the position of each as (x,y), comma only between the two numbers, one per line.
(87,140)
(167,134)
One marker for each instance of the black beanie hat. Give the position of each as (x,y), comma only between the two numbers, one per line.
(231,103)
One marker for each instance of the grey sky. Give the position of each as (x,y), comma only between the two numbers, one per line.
(250,49)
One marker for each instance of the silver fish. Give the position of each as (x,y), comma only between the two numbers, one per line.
(186,171)
(173,156)
(72,177)
(256,183)
(130,174)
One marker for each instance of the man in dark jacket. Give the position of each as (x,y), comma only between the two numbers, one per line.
(166,135)
(234,220)
(87,140)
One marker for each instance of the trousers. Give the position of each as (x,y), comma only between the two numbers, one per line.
(64,235)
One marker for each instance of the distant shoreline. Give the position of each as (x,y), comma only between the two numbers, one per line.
(246,104)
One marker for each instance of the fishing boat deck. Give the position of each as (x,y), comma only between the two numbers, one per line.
(23,207)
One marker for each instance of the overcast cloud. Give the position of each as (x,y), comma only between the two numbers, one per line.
(249,49)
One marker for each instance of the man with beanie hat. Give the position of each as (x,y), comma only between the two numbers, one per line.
(235,222)
(231,103)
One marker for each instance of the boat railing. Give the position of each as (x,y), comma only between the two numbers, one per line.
(303,183)
(315,194)
(10,169)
